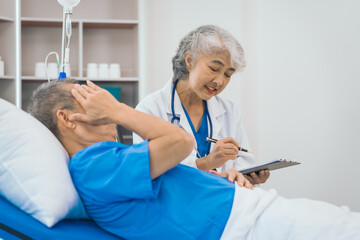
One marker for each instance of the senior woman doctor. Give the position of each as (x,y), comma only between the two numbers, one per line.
(203,65)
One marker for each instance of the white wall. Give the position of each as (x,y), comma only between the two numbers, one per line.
(299,94)
(309,96)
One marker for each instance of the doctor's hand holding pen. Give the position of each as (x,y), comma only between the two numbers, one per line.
(224,150)
(227,149)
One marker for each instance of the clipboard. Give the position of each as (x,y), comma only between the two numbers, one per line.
(273,165)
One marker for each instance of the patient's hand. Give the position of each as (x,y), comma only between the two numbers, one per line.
(233,175)
(98,104)
(257,179)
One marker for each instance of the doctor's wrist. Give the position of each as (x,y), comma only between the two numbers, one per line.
(203,163)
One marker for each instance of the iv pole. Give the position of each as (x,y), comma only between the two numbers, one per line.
(68,6)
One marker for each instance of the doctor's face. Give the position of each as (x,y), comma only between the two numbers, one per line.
(209,75)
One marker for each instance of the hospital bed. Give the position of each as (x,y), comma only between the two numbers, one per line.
(16,224)
(26,166)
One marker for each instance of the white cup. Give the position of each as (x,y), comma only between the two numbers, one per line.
(114,71)
(92,70)
(40,69)
(53,70)
(103,70)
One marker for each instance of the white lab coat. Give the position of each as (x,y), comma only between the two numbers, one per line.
(225,117)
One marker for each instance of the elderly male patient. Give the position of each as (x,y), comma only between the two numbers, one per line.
(141,192)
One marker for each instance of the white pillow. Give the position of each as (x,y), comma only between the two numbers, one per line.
(34,173)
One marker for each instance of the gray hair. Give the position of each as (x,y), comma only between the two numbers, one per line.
(207,40)
(47,99)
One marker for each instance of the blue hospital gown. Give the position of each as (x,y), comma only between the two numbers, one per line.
(114,183)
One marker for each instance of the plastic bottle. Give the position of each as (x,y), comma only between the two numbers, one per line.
(103,70)
(114,70)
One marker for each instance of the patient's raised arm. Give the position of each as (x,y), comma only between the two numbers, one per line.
(168,144)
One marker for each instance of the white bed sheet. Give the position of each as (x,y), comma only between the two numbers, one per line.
(260,214)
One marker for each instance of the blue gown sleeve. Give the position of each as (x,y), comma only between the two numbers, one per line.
(110,171)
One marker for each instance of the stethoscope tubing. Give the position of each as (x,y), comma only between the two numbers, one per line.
(174,117)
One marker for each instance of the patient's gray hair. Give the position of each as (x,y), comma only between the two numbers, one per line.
(207,40)
(47,99)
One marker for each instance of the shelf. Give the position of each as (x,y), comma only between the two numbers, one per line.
(124,79)
(7,77)
(105,31)
(6,19)
(88,9)
(7,45)
(109,23)
(42,22)
(88,23)
(37,42)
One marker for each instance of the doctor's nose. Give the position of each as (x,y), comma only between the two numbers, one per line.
(219,80)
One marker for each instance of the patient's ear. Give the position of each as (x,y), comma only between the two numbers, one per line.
(63,119)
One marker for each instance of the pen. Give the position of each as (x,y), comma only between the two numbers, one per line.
(215,140)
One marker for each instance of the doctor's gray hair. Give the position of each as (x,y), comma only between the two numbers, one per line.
(207,40)
(47,99)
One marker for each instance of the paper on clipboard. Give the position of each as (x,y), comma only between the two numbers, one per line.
(276,164)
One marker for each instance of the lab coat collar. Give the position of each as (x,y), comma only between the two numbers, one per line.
(215,107)
(216,110)
(179,111)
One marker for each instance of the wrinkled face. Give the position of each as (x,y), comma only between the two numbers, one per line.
(97,133)
(210,75)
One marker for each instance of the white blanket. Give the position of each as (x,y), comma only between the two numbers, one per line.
(260,214)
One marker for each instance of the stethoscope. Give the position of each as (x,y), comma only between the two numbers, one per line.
(174,117)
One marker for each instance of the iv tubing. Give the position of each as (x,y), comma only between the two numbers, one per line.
(62,66)
(46,68)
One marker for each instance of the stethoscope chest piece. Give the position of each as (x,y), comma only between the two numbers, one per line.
(174,119)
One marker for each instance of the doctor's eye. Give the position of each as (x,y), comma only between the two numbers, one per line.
(213,69)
